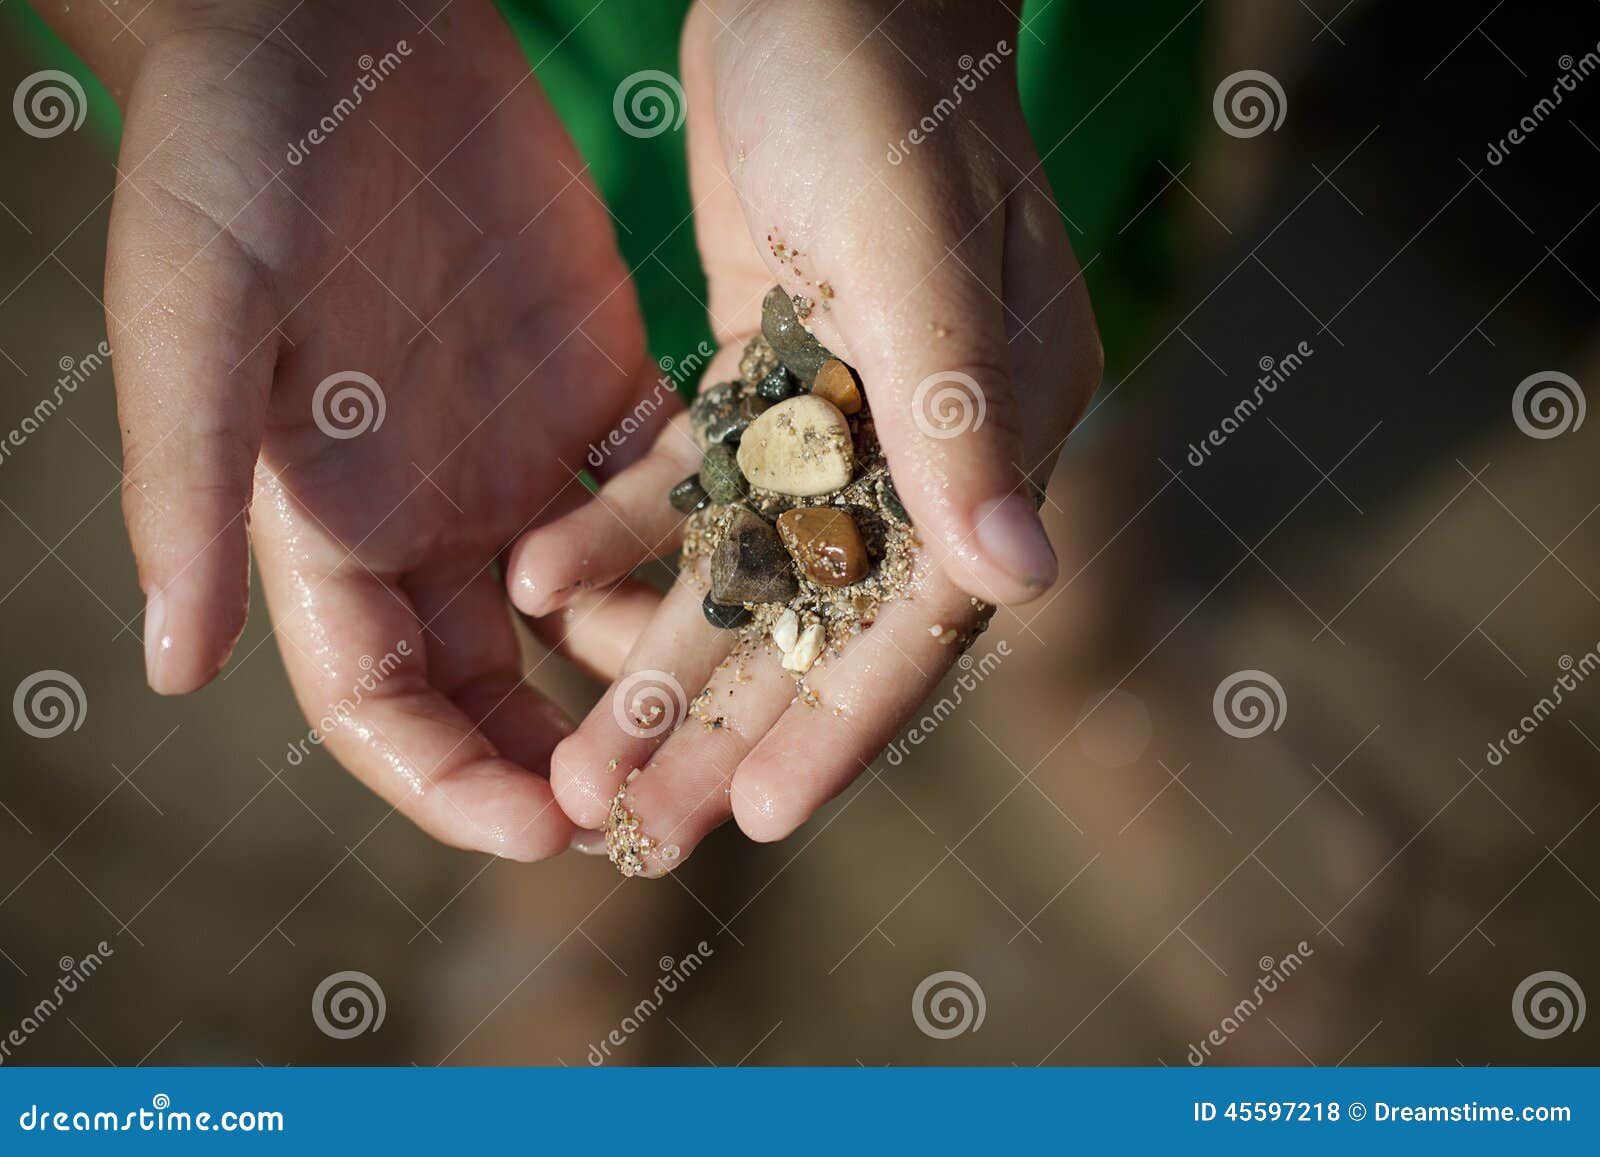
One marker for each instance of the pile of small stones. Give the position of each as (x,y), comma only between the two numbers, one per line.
(793,502)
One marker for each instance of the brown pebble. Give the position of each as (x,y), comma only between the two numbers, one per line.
(837,382)
(749,565)
(826,544)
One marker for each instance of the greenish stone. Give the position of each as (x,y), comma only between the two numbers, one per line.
(793,343)
(720,476)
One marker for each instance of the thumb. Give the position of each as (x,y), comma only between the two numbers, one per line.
(923,322)
(185,308)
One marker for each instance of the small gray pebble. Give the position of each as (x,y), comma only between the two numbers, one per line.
(688,496)
(778,385)
(725,616)
(714,408)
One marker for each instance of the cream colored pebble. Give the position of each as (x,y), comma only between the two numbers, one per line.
(806,650)
(786,631)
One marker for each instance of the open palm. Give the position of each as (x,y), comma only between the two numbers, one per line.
(362,297)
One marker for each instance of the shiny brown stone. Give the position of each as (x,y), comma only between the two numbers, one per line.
(837,383)
(826,544)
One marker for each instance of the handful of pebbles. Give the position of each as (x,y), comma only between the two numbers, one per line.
(793,502)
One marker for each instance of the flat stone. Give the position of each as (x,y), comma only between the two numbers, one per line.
(825,542)
(837,382)
(800,447)
(720,476)
(792,342)
(750,564)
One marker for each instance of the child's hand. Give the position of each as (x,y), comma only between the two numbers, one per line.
(314,190)
(948,265)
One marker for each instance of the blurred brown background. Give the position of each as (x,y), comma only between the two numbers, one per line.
(1080,838)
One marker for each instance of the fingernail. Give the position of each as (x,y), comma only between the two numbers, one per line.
(589,843)
(157,643)
(1010,534)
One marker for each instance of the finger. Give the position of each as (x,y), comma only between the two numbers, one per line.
(1056,357)
(682,794)
(859,702)
(473,660)
(627,522)
(672,660)
(185,304)
(927,328)
(361,667)
(597,629)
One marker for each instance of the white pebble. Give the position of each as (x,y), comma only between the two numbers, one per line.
(786,631)
(806,650)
